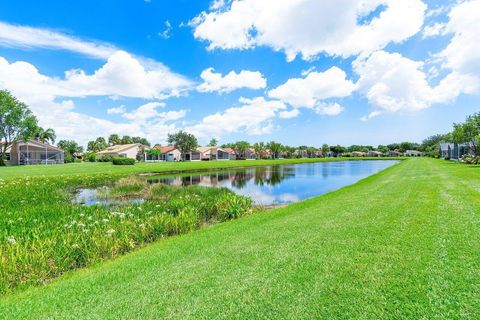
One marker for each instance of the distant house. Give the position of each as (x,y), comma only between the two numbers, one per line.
(300,153)
(358,154)
(413,153)
(122,150)
(373,153)
(394,153)
(231,153)
(210,153)
(167,153)
(453,151)
(34,152)
(250,154)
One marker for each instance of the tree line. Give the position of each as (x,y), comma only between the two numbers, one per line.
(17,122)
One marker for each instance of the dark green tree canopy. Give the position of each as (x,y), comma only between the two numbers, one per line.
(184,141)
(17,122)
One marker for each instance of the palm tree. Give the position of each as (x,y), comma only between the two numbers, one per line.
(45,136)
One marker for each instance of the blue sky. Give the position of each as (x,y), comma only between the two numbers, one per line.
(299,72)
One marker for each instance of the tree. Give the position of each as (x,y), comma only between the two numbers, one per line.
(259,148)
(142,141)
(468,132)
(97,145)
(325,149)
(183,141)
(311,152)
(45,135)
(241,148)
(275,148)
(213,142)
(127,140)
(114,139)
(16,122)
(337,150)
(70,148)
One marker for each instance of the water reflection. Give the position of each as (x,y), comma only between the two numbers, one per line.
(281,184)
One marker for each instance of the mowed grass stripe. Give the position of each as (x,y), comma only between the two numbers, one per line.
(401,244)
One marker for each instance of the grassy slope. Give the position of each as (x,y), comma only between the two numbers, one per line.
(402,244)
(13,172)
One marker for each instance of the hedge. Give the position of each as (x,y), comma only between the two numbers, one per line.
(123,161)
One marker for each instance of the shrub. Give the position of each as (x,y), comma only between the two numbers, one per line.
(90,156)
(105,158)
(470,159)
(68,158)
(123,161)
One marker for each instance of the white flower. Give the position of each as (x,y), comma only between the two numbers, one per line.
(11,240)
(105,220)
(110,232)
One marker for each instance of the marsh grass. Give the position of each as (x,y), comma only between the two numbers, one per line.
(43,234)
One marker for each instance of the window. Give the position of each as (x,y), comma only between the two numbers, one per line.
(7,157)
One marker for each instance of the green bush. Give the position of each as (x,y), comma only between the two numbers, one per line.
(105,158)
(470,159)
(68,158)
(90,157)
(123,161)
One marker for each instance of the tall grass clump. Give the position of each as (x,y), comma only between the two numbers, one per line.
(43,234)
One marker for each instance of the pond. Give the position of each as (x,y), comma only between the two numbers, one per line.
(282,184)
(265,185)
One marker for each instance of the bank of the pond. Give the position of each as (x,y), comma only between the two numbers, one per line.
(402,244)
(13,172)
(43,234)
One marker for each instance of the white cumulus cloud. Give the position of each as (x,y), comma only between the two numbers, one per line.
(393,83)
(309,27)
(253,117)
(311,90)
(216,82)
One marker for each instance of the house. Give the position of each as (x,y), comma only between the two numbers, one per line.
(394,153)
(215,153)
(34,152)
(248,154)
(132,150)
(413,153)
(358,154)
(453,151)
(231,152)
(300,153)
(373,153)
(167,153)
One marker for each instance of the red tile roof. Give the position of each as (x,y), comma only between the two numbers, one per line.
(165,149)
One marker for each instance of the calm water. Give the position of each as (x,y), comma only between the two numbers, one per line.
(282,184)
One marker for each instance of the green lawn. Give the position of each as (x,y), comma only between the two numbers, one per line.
(402,244)
(12,172)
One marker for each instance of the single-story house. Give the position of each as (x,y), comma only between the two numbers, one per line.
(394,153)
(248,154)
(132,150)
(231,152)
(215,153)
(167,153)
(413,153)
(453,151)
(300,153)
(34,152)
(373,153)
(358,154)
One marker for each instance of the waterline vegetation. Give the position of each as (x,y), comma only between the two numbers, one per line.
(45,235)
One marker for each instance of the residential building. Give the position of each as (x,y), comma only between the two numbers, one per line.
(373,153)
(133,150)
(413,153)
(34,152)
(167,153)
